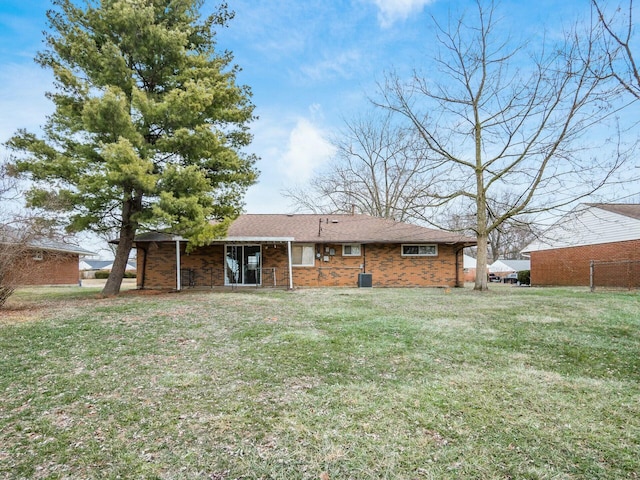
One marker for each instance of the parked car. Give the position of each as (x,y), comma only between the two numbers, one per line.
(494,278)
(511,278)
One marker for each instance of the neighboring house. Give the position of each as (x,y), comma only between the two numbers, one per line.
(306,251)
(42,261)
(506,270)
(88,267)
(591,232)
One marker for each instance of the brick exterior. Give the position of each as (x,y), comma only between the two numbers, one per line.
(469,274)
(53,269)
(570,266)
(204,267)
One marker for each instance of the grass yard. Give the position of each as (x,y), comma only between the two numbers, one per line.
(321,384)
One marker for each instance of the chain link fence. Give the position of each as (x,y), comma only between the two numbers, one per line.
(215,277)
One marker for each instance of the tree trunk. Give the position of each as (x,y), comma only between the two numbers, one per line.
(112,287)
(481,264)
(125,243)
(481,212)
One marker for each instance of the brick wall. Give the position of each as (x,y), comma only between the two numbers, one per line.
(335,271)
(390,269)
(156,263)
(385,263)
(570,266)
(54,268)
(469,274)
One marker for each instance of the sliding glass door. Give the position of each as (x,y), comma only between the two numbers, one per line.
(242,265)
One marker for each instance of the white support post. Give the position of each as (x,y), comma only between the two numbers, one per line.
(290,267)
(178,279)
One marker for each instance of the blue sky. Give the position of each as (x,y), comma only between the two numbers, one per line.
(310,63)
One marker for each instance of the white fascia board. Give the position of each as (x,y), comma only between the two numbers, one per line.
(257,239)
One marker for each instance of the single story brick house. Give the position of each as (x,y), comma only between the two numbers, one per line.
(306,250)
(39,261)
(605,235)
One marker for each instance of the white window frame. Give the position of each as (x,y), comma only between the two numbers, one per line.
(433,245)
(311,256)
(352,246)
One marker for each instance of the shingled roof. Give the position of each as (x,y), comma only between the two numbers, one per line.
(313,228)
(627,209)
(11,235)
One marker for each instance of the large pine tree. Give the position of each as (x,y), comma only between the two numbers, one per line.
(149,124)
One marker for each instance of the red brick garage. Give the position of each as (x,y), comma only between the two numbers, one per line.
(600,233)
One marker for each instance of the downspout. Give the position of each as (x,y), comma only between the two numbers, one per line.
(364,257)
(289,259)
(458,283)
(178,279)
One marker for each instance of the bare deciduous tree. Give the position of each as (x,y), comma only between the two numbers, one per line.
(618,45)
(379,169)
(505,241)
(13,240)
(19,232)
(511,237)
(7,193)
(14,253)
(505,124)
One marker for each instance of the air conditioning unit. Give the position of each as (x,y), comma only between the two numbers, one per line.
(365,280)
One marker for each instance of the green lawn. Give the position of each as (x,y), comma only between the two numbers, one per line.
(519,383)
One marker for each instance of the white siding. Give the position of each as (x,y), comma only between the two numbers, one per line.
(587,225)
(469,262)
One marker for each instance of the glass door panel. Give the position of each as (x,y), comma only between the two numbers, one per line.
(242,265)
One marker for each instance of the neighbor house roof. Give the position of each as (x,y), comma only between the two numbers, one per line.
(11,235)
(88,264)
(314,228)
(509,266)
(591,224)
(631,210)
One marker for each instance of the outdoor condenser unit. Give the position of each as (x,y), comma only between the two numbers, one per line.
(365,280)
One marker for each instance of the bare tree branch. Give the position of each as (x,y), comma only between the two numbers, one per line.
(511,131)
(618,45)
(379,168)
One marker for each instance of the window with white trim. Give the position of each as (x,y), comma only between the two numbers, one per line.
(303,255)
(419,250)
(351,250)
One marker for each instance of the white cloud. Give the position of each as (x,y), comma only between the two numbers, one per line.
(291,146)
(341,65)
(390,11)
(307,149)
